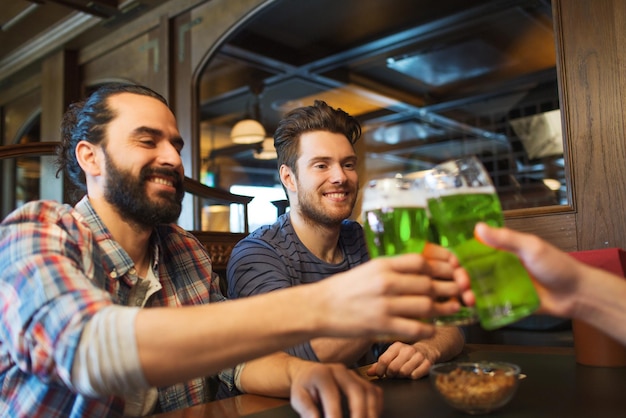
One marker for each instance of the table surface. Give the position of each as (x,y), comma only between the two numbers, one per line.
(555,386)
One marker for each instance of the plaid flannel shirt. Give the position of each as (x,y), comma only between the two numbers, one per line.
(58,266)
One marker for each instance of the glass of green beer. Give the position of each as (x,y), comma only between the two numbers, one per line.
(394,215)
(396,221)
(460,195)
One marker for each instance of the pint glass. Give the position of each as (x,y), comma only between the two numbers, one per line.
(460,195)
(394,215)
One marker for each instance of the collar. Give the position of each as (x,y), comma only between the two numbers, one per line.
(116,260)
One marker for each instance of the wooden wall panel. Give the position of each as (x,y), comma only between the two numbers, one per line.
(136,61)
(558,229)
(593,84)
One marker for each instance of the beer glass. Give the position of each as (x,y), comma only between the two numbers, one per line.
(394,215)
(396,222)
(460,195)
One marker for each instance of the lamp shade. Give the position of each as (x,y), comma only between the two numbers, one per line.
(247,131)
(267,151)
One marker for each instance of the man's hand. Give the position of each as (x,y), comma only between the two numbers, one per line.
(402,360)
(385,298)
(316,391)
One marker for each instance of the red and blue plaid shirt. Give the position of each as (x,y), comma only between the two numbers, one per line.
(59,266)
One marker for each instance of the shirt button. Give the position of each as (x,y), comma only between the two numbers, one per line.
(132,271)
(113,274)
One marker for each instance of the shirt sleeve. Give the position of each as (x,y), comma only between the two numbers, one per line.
(47,291)
(107,361)
(254,268)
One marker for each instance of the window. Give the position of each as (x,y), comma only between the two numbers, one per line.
(261,210)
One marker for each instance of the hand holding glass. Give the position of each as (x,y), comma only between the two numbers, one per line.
(461,195)
(396,222)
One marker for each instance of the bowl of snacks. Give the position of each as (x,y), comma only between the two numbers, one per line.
(475,387)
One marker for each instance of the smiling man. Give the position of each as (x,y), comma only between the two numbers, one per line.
(315,239)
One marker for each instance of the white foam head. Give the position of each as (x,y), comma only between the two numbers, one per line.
(465,190)
(393,192)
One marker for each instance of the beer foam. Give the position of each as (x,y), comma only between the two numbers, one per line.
(465,190)
(393,198)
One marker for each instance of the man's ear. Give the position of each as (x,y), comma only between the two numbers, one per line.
(88,158)
(287,178)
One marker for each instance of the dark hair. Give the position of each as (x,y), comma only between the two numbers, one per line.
(87,120)
(319,117)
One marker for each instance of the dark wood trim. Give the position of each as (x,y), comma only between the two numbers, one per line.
(27,150)
(191,186)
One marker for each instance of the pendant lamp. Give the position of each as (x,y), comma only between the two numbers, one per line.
(247,131)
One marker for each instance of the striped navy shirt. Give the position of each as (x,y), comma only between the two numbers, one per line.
(273,257)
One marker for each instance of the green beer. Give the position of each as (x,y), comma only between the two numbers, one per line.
(399,230)
(396,221)
(504,292)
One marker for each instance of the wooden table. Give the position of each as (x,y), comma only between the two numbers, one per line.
(556,386)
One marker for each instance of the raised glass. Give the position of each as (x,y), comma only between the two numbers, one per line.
(461,195)
(395,217)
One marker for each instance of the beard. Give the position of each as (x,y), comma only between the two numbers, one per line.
(128,195)
(316,213)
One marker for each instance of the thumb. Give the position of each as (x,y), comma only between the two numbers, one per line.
(492,237)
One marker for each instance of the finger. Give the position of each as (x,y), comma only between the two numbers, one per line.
(371,371)
(440,269)
(462,279)
(303,403)
(436,252)
(421,370)
(408,284)
(401,365)
(375,402)
(469,299)
(330,400)
(406,263)
(501,238)
(364,399)
(383,360)
(448,307)
(445,288)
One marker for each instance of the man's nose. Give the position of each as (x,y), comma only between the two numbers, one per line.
(169,155)
(338,174)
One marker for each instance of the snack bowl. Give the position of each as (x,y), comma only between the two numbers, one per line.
(475,387)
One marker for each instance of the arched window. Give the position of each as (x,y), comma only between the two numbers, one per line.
(427,83)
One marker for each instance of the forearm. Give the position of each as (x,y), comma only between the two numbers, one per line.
(340,350)
(203,340)
(269,375)
(600,302)
(444,345)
